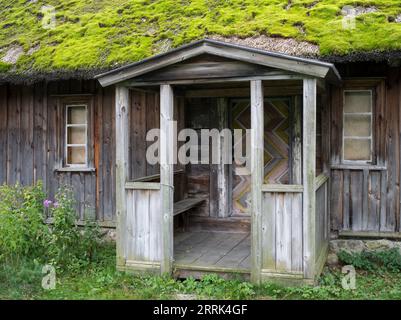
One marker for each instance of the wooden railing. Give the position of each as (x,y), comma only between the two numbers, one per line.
(282,236)
(322,224)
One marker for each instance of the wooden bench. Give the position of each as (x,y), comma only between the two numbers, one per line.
(182,207)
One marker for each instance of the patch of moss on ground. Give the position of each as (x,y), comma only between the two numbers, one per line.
(90,34)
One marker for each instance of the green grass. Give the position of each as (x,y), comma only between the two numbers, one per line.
(22,280)
(101,33)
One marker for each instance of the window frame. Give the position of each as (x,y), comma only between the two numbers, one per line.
(67,106)
(372,129)
(61,139)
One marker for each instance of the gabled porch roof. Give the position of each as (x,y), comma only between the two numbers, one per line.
(267,62)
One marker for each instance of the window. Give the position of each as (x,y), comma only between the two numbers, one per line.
(76,135)
(357,126)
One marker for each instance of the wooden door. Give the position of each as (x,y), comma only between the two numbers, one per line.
(277,137)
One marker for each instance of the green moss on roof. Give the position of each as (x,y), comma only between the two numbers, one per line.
(105,33)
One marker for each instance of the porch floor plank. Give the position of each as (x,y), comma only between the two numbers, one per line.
(212,249)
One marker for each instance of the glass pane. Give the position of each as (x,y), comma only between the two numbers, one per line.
(76,135)
(76,155)
(357,101)
(357,149)
(357,125)
(76,115)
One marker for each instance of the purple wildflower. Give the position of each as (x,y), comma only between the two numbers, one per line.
(55,204)
(47,203)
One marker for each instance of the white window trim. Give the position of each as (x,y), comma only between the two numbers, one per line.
(66,144)
(346,161)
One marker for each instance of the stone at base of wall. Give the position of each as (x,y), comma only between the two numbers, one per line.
(357,246)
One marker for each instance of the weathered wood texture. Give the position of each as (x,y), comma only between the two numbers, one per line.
(31,136)
(308,176)
(322,219)
(143,232)
(257,150)
(366,198)
(166,176)
(282,248)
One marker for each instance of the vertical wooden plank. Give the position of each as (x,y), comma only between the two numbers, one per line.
(383,202)
(13,135)
(257,149)
(129,236)
(374,202)
(98,138)
(52,135)
(336,124)
(326,144)
(145,214)
(392,151)
(122,103)
(365,199)
(269,231)
(141,206)
(308,172)
(166,175)
(336,199)
(155,226)
(107,149)
(26,129)
(78,188)
(296,143)
(3,133)
(296,232)
(346,199)
(137,135)
(152,122)
(39,132)
(283,232)
(356,200)
(90,196)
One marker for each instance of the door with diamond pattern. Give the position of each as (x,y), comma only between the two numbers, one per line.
(276,147)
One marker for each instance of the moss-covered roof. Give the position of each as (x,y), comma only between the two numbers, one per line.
(101,34)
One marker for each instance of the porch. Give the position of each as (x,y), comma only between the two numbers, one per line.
(275,225)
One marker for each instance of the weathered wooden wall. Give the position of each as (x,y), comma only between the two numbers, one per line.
(365,199)
(30,141)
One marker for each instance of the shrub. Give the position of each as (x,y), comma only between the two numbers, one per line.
(385,260)
(24,233)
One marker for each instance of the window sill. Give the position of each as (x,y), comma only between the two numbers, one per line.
(75,169)
(358,167)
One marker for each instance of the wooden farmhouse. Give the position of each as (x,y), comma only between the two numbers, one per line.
(322,152)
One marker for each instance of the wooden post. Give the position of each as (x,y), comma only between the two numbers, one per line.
(223,169)
(308,172)
(257,129)
(122,102)
(166,175)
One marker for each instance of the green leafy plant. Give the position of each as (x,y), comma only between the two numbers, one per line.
(383,260)
(24,233)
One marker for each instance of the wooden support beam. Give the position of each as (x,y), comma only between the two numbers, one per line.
(308,172)
(122,103)
(257,123)
(223,169)
(167,175)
